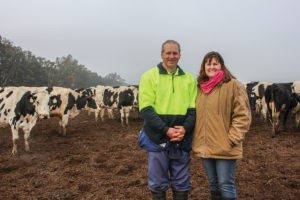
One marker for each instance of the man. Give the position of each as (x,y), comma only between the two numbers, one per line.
(167,97)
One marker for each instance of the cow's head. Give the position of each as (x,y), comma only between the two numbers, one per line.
(32,103)
(252,100)
(85,100)
(136,97)
(40,101)
(25,105)
(55,101)
(251,94)
(109,96)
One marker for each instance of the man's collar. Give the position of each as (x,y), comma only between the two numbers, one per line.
(162,70)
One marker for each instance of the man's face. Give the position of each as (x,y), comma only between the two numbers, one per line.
(170,56)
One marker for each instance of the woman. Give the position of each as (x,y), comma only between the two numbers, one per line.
(223,118)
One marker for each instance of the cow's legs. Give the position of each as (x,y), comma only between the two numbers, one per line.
(96,115)
(275,118)
(102,112)
(27,131)
(127,117)
(15,137)
(126,112)
(297,119)
(110,113)
(60,126)
(122,116)
(264,114)
(63,123)
(26,137)
(285,119)
(275,124)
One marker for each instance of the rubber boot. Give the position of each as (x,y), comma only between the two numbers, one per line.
(180,195)
(215,195)
(158,195)
(225,198)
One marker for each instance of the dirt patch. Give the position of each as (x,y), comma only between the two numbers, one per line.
(104,162)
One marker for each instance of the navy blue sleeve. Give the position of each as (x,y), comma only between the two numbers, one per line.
(152,119)
(190,120)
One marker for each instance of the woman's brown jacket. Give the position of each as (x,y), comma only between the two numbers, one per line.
(223,118)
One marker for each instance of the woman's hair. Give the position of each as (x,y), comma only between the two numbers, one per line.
(208,58)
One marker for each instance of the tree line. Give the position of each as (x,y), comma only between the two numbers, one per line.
(22,68)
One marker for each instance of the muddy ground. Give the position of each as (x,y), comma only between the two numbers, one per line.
(105,162)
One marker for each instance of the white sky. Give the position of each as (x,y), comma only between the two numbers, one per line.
(258,39)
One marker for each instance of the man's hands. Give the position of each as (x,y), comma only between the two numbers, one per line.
(176,134)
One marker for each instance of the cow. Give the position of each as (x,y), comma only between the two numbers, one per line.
(127,100)
(66,103)
(296,110)
(20,107)
(262,108)
(280,100)
(258,92)
(251,94)
(296,95)
(95,94)
(123,98)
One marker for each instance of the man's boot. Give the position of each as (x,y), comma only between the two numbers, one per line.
(180,195)
(215,195)
(158,195)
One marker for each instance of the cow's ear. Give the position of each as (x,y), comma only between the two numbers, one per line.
(34,97)
(49,89)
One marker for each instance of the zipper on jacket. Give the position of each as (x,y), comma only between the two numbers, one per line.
(173,74)
(219,99)
(205,124)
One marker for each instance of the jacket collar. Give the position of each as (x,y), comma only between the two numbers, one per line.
(162,70)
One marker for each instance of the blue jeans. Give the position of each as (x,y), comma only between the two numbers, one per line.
(221,176)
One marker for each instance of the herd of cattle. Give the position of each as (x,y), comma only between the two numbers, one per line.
(20,107)
(273,101)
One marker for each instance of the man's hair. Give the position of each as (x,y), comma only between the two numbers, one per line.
(169,42)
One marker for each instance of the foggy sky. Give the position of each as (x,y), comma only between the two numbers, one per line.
(258,39)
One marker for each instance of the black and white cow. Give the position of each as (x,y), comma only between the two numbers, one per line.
(127,100)
(123,98)
(251,94)
(280,100)
(296,109)
(296,95)
(20,107)
(97,94)
(260,103)
(66,103)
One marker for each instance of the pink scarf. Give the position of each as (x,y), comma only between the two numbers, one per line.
(209,85)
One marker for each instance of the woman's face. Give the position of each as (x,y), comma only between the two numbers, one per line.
(211,67)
